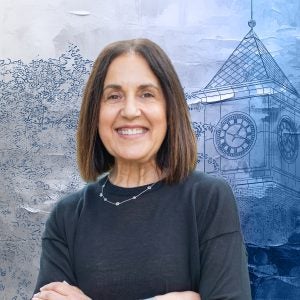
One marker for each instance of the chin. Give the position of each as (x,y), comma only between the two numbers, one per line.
(134,158)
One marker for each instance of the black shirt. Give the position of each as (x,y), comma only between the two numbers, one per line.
(172,238)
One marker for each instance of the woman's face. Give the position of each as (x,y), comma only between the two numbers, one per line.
(132,120)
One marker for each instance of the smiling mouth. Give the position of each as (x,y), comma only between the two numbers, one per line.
(131,131)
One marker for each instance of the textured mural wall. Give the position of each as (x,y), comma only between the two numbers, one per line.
(252,112)
(242,87)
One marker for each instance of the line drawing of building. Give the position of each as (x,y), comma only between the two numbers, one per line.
(247,122)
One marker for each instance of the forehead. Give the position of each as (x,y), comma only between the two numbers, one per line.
(130,68)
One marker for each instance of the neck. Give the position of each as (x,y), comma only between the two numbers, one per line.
(128,174)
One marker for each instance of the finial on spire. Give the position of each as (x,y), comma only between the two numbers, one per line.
(252,22)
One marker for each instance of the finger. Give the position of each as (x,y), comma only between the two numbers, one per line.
(59,287)
(75,288)
(63,288)
(36,296)
(48,295)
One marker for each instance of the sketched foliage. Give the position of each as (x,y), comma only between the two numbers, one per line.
(39,106)
(200,128)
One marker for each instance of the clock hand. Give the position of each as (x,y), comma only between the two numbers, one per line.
(238,133)
(240,137)
(235,135)
(230,133)
(239,129)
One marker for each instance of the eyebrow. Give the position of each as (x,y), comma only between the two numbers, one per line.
(112,86)
(141,87)
(149,85)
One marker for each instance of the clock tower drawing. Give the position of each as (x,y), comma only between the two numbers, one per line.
(247,119)
(247,124)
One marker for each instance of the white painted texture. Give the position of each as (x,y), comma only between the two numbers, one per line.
(198,35)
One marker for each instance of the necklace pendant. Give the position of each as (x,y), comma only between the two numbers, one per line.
(117,203)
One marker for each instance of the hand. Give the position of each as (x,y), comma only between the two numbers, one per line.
(60,291)
(187,295)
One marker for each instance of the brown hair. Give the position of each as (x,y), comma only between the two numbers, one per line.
(177,155)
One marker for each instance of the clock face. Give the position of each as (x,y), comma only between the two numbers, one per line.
(288,141)
(235,135)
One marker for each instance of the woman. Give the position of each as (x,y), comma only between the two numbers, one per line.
(151,227)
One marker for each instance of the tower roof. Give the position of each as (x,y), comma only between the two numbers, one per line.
(250,62)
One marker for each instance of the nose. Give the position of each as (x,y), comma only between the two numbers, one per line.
(130,109)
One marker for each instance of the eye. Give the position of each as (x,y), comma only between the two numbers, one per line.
(147,95)
(115,96)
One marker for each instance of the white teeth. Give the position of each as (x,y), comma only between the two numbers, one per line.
(131,131)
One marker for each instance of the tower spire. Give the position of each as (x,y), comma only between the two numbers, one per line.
(251,22)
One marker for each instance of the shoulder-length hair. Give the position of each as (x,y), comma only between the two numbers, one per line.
(177,155)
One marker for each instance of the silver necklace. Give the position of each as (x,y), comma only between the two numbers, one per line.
(102,196)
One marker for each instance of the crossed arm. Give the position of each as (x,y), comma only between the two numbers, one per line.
(64,291)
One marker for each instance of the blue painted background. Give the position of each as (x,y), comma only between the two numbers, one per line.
(250,135)
(247,125)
